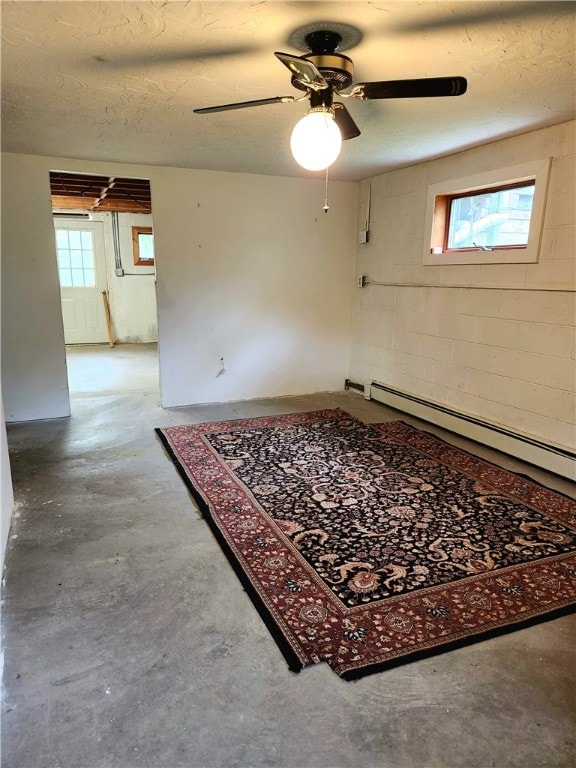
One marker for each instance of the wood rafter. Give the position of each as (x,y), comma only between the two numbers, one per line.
(100,193)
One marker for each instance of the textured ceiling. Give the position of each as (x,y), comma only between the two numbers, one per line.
(118,80)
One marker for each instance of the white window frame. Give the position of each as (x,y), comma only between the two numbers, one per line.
(436,221)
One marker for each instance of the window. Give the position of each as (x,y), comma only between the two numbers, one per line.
(143,246)
(494,218)
(489,218)
(75,251)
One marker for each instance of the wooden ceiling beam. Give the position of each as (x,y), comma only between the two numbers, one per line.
(65,201)
(100,193)
(89,204)
(121,195)
(131,184)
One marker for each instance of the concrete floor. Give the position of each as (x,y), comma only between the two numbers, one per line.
(130,642)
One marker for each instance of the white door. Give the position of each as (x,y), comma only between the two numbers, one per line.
(82,272)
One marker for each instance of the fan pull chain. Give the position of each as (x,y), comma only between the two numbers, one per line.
(326,207)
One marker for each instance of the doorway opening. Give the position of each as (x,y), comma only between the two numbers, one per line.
(107,270)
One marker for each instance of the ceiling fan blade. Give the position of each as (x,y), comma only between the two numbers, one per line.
(409,89)
(344,121)
(244,104)
(304,71)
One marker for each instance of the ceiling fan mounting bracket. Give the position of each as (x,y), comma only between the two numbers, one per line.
(323,41)
(349,36)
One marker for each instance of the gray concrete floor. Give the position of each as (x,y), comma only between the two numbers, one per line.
(130,642)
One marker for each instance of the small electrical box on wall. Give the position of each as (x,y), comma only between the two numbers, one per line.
(364,236)
(362,281)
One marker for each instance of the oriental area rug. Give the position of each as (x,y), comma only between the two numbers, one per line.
(365,546)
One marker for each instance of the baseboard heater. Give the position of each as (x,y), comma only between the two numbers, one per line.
(558,460)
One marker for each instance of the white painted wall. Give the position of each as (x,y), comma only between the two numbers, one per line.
(133,296)
(34,381)
(256,274)
(6,490)
(249,268)
(505,356)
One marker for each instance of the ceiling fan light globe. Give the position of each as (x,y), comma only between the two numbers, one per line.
(316,141)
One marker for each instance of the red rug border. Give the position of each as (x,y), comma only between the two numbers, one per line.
(454,645)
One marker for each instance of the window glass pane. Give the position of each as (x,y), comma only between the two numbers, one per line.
(88,258)
(146,246)
(63,258)
(62,238)
(78,278)
(86,239)
(89,278)
(65,278)
(491,219)
(75,239)
(76,259)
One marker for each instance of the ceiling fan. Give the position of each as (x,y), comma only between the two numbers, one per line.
(325,72)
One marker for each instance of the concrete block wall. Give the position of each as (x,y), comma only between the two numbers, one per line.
(503,349)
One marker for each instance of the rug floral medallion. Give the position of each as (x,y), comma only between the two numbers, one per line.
(366,546)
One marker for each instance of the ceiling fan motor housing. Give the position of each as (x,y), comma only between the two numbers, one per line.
(337,69)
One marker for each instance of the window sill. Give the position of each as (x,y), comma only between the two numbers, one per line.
(493,256)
